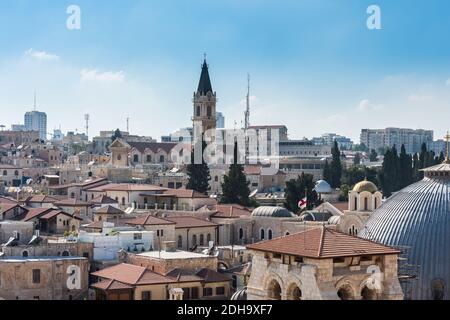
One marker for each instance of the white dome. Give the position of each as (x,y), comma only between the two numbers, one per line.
(323,187)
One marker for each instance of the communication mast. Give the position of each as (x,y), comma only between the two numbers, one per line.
(247,110)
(86,118)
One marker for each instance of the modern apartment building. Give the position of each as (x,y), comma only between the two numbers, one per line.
(36,121)
(412,139)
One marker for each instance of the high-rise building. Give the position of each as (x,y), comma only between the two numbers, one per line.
(383,138)
(36,121)
(220,120)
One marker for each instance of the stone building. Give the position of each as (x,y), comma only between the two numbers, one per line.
(10,176)
(323,264)
(44,278)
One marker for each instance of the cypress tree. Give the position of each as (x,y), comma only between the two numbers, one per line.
(405,173)
(198,174)
(373,155)
(326,172)
(335,167)
(235,187)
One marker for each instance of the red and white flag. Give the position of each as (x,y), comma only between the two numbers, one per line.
(303,203)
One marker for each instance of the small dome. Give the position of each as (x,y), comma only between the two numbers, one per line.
(274,212)
(323,187)
(365,186)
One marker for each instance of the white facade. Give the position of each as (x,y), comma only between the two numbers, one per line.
(383,138)
(108,243)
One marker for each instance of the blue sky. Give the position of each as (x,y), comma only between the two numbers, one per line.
(314,64)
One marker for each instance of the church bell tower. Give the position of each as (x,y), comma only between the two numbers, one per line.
(204,102)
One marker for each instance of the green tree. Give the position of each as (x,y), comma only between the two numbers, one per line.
(198,174)
(296,190)
(335,167)
(117,135)
(405,169)
(416,167)
(326,171)
(343,195)
(235,187)
(373,155)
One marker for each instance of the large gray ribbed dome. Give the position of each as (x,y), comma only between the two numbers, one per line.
(274,212)
(418,218)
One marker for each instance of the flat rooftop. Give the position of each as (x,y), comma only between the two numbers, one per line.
(173,255)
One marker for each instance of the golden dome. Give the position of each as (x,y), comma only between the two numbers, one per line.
(365,186)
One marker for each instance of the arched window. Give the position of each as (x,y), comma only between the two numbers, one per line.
(161,158)
(180,242)
(194,239)
(216,178)
(356,203)
(269,234)
(208,237)
(72,195)
(366,204)
(198,111)
(208,111)
(149,158)
(119,157)
(16,173)
(202,240)
(5,173)
(123,201)
(65,253)
(241,233)
(287,233)
(25,253)
(262,235)
(376,203)
(135,158)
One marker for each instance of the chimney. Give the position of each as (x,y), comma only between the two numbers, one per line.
(169,246)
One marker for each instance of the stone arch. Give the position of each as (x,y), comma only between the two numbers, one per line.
(294,289)
(345,290)
(273,285)
(367,289)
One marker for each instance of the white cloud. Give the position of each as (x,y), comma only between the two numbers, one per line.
(41,55)
(93,75)
(419,98)
(367,105)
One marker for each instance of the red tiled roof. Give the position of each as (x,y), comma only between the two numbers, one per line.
(190,222)
(55,213)
(109,210)
(41,199)
(322,242)
(71,202)
(7,200)
(231,211)
(184,193)
(131,274)
(153,146)
(35,212)
(102,199)
(209,276)
(111,285)
(126,187)
(148,220)
(341,206)
(4,207)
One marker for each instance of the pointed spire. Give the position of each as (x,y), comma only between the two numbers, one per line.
(204,86)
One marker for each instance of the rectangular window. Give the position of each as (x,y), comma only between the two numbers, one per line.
(146,295)
(220,291)
(138,236)
(207,292)
(36,276)
(86,255)
(194,293)
(162,233)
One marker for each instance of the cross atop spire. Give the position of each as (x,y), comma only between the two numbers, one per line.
(204,86)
